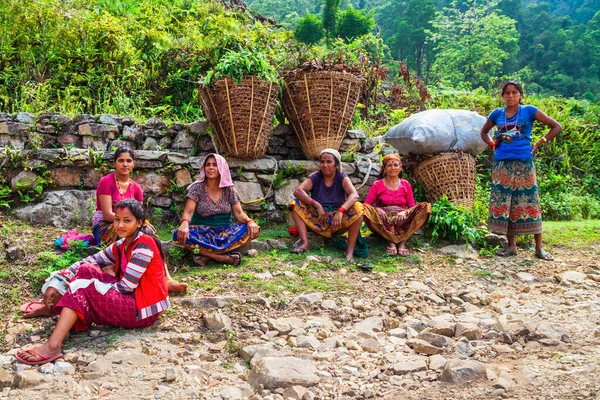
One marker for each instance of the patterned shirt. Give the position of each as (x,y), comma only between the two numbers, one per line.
(207,207)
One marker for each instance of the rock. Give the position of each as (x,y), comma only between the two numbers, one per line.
(443,325)
(64,368)
(25,118)
(469,331)
(99,130)
(355,134)
(28,378)
(329,305)
(60,209)
(283,372)
(109,119)
(6,378)
(197,127)
(252,252)
(152,183)
(457,372)
(285,194)
(14,253)
(435,299)
(14,128)
(248,352)
(183,141)
(495,240)
(285,325)
(263,165)
(150,144)
(371,324)
(370,345)
(408,364)
(65,177)
(437,362)
(516,324)
(308,342)
(171,374)
(210,302)
(546,330)
(277,244)
(423,347)
(314,241)
(418,286)
(217,321)
(295,393)
(464,348)
(308,298)
(133,356)
(571,276)
(434,339)
(525,277)
(24,180)
(461,251)
(251,195)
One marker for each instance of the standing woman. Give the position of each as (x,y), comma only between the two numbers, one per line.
(390,207)
(84,294)
(514,201)
(332,206)
(207,225)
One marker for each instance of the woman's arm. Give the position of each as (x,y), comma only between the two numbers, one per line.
(410,198)
(555,129)
(372,195)
(183,232)
(106,206)
(141,255)
(241,216)
(301,191)
(351,193)
(484,133)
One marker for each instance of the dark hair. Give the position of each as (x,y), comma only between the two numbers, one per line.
(137,210)
(122,150)
(206,159)
(516,85)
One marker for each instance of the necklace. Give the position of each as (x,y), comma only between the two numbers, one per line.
(391,192)
(122,191)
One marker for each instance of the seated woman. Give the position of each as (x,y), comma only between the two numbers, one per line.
(84,294)
(332,206)
(207,226)
(390,208)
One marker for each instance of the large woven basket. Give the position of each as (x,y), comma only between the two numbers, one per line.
(320,106)
(241,115)
(450,174)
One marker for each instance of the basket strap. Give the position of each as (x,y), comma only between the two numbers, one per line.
(217,119)
(262,122)
(312,125)
(296,121)
(345,108)
(235,149)
(250,117)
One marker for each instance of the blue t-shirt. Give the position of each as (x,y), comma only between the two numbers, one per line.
(514,132)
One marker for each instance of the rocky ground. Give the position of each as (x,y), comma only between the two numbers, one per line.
(443,326)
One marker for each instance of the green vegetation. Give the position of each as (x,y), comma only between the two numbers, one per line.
(238,64)
(51,262)
(454,223)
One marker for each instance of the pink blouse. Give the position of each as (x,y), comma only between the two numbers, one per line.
(380,196)
(108,185)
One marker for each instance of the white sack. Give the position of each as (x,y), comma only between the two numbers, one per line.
(434,131)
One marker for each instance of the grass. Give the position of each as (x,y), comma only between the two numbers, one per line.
(573,235)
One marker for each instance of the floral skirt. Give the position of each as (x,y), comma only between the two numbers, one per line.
(401,225)
(104,232)
(515,201)
(217,239)
(310,216)
(113,308)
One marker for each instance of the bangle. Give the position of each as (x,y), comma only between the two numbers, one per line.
(492,144)
(341,209)
(544,139)
(185,220)
(250,220)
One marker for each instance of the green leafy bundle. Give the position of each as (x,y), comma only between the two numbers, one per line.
(238,64)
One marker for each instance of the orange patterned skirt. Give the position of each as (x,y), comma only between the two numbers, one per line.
(401,224)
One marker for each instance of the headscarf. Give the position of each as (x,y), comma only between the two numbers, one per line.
(335,154)
(223,169)
(387,159)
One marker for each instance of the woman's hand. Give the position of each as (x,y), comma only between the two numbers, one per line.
(323,215)
(382,214)
(535,147)
(51,297)
(183,232)
(254,229)
(336,223)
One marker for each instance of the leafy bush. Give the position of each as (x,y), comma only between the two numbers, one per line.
(54,262)
(453,223)
(309,29)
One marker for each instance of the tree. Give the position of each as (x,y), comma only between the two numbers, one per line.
(473,45)
(353,23)
(330,14)
(309,29)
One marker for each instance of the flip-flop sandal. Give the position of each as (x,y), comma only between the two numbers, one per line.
(365,267)
(545,256)
(392,251)
(298,250)
(31,306)
(403,252)
(505,253)
(235,261)
(42,359)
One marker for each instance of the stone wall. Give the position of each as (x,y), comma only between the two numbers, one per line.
(73,154)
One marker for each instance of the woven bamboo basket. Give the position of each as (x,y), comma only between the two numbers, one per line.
(320,106)
(450,174)
(241,115)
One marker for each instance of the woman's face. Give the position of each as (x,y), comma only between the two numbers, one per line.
(327,164)
(210,168)
(124,164)
(125,223)
(393,168)
(511,95)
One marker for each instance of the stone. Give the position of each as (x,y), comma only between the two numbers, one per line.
(434,339)
(109,119)
(248,352)
(14,128)
(210,302)
(65,177)
(28,378)
(526,277)
(150,144)
(171,374)
(295,393)
(314,241)
(61,209)
(14,253)
(546,330)
(435,299)
(251,195)
(462,371)
(464,348)
(285,325)
(371,324)
(263,165)
(164,202)
(64,368)
(329,305)
(285,194)
(197,128)
(183,178)
(503,383)
(308,342)
(217,321)
(61,121)
(25,118)
(311,298)
(423,347)
(133,356)
(277,244)
(155,123)
(24,180)
(152,183)
(409,364)
(355,134)
(495,240)
(469,331)
(461,251)
(6,379)
(99,130)
(370,345)
(571,276)
(231,393)
(515,324)
(442,325)
(418,286)
(437,362)
(183,141)
(283,372)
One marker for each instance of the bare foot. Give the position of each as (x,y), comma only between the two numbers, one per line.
(177,287)
(44,311)
(350,258)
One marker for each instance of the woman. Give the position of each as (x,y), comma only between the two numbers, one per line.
(207,226)
(332,206)
(514,201)
(84,294)
(113,188)
(390,207)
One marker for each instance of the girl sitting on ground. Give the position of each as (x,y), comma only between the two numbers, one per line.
(84,294)
(207,226)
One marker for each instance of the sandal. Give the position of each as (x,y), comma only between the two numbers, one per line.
(201,261)
(545,256)
(298,250)
(391,250)
(403,252)
(41,359)
(235,261)
(505,253)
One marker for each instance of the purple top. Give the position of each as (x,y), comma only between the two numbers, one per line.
(332,196)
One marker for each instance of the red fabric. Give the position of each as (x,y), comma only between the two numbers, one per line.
(380,196)
(293,231)
(152,287)
(108,185)
(114,308)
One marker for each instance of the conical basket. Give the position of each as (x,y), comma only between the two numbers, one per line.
(320,106)
(241,115)
(450,174)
